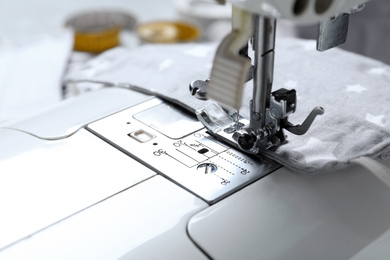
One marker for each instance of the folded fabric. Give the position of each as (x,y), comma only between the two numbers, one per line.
(31,74)
(353,90)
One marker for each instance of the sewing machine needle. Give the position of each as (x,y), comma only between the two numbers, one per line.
(238,120)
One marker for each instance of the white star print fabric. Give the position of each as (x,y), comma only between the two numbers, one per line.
(353,90)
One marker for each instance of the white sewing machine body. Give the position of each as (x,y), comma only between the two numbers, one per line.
(66,193)
(119,174)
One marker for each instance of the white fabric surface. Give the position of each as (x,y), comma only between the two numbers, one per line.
(31,74)
(353,90)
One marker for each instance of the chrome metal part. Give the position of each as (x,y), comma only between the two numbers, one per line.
(302,129)
(332,32)
(197,161)
(268,111)
(198,88)
(264,46)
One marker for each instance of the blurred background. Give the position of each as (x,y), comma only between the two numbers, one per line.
(36,50)
(369,30)
(20,19)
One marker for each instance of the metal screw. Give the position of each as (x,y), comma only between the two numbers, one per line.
(256,116)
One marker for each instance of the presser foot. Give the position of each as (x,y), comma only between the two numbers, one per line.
(256,141)
(227,126)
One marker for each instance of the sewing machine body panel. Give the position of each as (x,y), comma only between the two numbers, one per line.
(147,221)
(287,215)
(93,201)
(42,182)
(68,116)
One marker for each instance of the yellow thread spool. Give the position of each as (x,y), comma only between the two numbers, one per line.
(97,31)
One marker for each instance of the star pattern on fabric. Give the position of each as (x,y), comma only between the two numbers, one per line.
(165,64)
(198,51)
(375,119)
(355,88)
(315,150)
(377,71)
(291,84)
(308,45)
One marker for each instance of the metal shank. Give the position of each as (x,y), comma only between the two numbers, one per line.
(264,49)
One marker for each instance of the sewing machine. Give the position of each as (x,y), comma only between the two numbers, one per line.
(268,116)
(119,174)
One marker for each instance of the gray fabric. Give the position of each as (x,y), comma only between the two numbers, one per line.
(353,90)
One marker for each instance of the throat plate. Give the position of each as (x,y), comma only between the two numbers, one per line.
(196,161)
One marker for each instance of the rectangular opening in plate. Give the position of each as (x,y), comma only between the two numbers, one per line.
(141,136)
